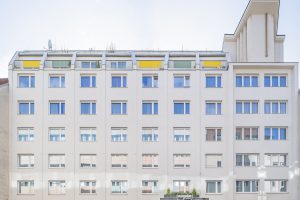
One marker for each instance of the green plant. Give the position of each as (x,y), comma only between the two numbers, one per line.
(194,193)
(168,192)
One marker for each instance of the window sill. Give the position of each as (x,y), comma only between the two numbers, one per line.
(153,193)
(213,193)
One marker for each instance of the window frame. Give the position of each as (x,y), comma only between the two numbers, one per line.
(279,128)
(61,107)
(29,134)
(271,78)
(186,134)
(217,130)
(120,165)
(184,157)
(217,80)
(31,83)
(154,107)
(278,155)
(92,185)
(186,104)
(123,184)
(251,181)
(31,107)
(92,107)
(61,132)
(251,108)
(61,80)
(123,80)
(63,189)
(154,161)
(122,133)
(31,161)
(219,160)
(62,160)
(217,107)
(186,80)
(251,77)
(30,184)
(154,134)
(123,107)
(243,133)
(154,80)
(92,164)
(91,132)
(218,186)
(243,161)
(154,188)
(92,80)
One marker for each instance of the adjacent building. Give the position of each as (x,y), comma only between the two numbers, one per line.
(133,124)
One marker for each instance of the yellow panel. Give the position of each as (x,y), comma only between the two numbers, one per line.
(31,63)
(150,64)
(212,64)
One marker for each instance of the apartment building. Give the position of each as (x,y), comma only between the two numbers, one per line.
(133,124)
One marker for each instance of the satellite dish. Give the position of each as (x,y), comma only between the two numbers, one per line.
(49,45)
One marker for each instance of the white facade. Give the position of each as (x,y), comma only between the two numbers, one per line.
(103,154)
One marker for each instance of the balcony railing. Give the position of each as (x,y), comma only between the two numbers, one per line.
(57,64)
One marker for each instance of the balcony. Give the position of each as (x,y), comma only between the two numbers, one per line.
(27,64)
(58,64)
(119,65)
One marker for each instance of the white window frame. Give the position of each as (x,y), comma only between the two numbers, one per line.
(153,131)
(60,110)
(90,131)
(251,82)
(152,107)
(153,77)
(278,106)
(216,132)
(154,160)
(91,107)
(184,157)
(185,134)
(150,186)
(218,158)
(61,159)
(183,185)
(89,185)
(250,156)
(90,64)
(122,184)
(117,64)
(91,80)
(29,77)
(243,133)
(216,103)
(184,107)
(29,134)
(123,163)
(186,80)
(278,77)
(29,107)
(30,187)
(61,134)
(251,105)
(279,137)
(216,80)
(218,186)
(30,158)
(59,76)
(123,111)
(92,161)
(279,183)
(256,182)
(122,76)
(56,187)
(271,158)
(122,133)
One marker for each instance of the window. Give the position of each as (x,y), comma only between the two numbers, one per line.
(150,108)
(213,187)
(246,80)
(182,160)
(87,160)
(119,134)
(25,160)
(246,133)
(213,134)
(150,134)
(150,81)
(181,108)
(246,186)
(88,134)
(181,81)
(119,81)
(275,186)
(119,160)
(214,160)
(88,81)
(57,161)
(25,134)
(57,107)
(150,187)
(213,81)
(56,81)
(276,160)
(247,160)
(56,187)
(181,186)
(89,64)
(118,64)
(275,81)
(57,134)
(181,134)
(119,187)
(275,133)
(150,160)
(118,107)
(275,107)
(87,187)
(26,187)
(213,108)
(26,108)
(26,81)
(88,107)
(247,107)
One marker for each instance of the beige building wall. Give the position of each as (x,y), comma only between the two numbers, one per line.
(4,143)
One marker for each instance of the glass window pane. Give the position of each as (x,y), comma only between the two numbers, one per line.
(282,133)
(282,81)
(116,81)
(283,108)
(147,81)
(247,107)
(115,108)
(238,81)
(85,81)
(275,135)
(210,81)
(275,108)
(239,108)
(254,108)
(147,108)
(254,81)
(246,81)
(267,81)
(267,108)
(267,133)
(178,108)
(275,81)
(179,82)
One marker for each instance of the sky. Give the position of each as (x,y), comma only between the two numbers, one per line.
(130,25)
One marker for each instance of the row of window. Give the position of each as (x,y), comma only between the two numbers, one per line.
(152,160)
(151,107)
(56,187)
(151,81)
(150,134)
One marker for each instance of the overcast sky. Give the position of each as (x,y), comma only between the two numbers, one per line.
(130,24)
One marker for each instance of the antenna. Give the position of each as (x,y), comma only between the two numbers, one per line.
(50,45)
